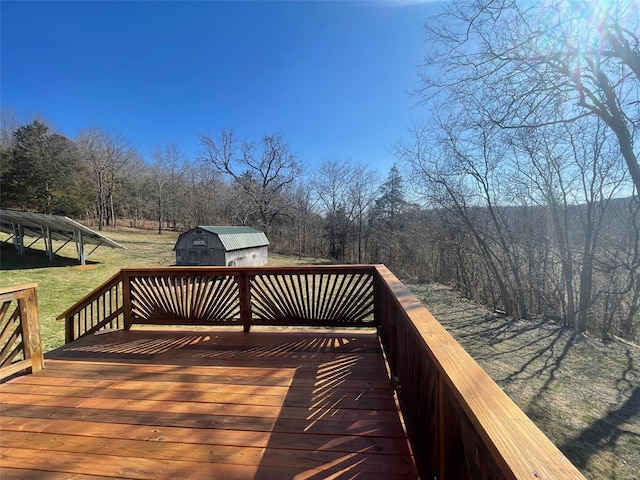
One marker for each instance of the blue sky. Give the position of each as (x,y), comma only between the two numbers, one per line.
(335,78)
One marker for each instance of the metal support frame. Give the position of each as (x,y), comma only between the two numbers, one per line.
(77,234)
(18,237)
(37,238)
(46,238)
(49,243)
(93,250)
(49,228)
(62,246)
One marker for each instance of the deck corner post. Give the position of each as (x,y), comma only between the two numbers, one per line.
(31,329)
(126,298)
(377,300)
(386,317)
(244,289)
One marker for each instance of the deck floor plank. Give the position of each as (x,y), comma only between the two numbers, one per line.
(301,441)
(343,401)
(154,403)
(23,473)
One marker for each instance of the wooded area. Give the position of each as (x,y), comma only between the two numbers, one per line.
(519,187)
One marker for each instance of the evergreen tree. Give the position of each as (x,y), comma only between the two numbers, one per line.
(42,172)
(391,202)
(387,221)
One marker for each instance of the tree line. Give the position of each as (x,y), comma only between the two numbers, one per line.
(99,178)
(519,187)
(529,223)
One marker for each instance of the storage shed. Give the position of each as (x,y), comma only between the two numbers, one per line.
(222,246)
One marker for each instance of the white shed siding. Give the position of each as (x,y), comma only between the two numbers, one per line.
(222,246)
(248,257)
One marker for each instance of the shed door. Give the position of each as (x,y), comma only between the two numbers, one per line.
(206,258)
(193,257)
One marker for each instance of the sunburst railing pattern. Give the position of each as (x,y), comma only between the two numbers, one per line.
(339,296)
(316,299)
(184,298)
(20,345)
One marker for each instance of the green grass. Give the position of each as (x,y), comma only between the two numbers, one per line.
(62,282)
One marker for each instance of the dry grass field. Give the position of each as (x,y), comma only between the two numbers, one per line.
(583,394)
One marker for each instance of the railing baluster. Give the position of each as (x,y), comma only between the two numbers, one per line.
(98,310)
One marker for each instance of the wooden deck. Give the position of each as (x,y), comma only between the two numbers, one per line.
(205,404)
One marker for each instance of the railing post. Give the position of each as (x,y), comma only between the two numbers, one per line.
(68,329)
(377,299)
(244,289)
(20,326)
(126,299)
(385,313)
(31,329)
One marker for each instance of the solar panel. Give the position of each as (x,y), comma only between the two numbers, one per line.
(55,227)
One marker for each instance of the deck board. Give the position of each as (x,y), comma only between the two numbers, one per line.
(156,404)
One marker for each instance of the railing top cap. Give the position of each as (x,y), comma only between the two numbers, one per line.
(266,268)
(17,288)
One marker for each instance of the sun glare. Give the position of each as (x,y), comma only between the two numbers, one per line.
(581,28)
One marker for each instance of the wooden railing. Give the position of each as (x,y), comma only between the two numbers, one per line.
(102,309)
(460,423)
(285,296)
(20,343)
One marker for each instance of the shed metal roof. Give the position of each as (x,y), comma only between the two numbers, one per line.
(237,238)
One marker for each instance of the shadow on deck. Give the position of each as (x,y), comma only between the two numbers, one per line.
(152,403)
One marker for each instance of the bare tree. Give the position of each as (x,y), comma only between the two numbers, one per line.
(361,194)
(619,265)
(572,171)
(165,178)
(330,186)
(303,215)
(105,155)
(262,173)
(158,179)
(345,192)
(9,123)
(459,170)
(527,64)
(600,180)
(134,206)
(631,322)
(535,205)
(202,187)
